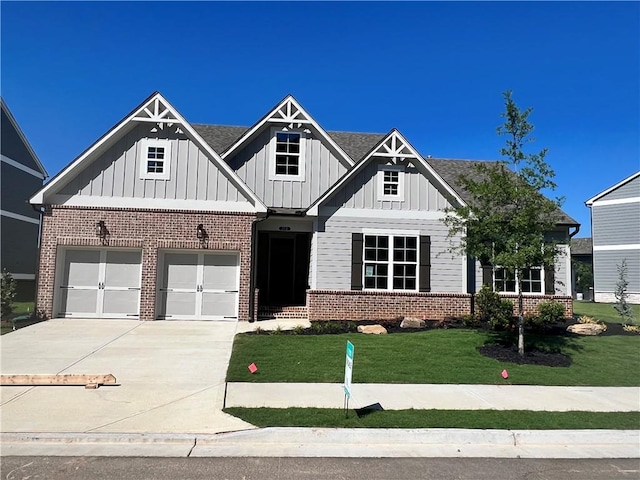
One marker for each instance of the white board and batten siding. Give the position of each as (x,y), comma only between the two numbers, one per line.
(193,180)
(615,220)
(322,169)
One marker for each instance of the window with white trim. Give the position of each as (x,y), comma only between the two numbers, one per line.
(390,182)
(155,159)
(287,158)
(532,281)
(390,262)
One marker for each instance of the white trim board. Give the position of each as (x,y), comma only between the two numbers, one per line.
(379,213)
(611,189)
(618,201)
(20,166)
(17,216)
(631,246)
(23,137)
(152,203)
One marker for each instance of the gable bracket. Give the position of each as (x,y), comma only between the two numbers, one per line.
(156,112)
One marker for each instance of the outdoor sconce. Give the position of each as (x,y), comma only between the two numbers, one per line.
(101,230)
(201,233)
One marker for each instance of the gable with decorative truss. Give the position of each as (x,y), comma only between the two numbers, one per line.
(392,176)
(151,159)
(287,158)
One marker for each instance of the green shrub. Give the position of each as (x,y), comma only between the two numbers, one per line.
(493,310)
(550,312)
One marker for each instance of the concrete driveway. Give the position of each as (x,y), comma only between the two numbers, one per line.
(170,377)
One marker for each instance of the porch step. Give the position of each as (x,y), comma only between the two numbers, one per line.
(297,313)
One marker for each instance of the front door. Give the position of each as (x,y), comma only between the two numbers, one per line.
(283,268)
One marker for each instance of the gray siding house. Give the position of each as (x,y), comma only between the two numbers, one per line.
(22,175)
(615,227)
(164,219)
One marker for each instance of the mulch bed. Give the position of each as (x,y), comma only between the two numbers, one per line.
(510,354)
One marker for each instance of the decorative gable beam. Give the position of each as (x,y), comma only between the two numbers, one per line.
(395,148)
(156,111)
(291,114)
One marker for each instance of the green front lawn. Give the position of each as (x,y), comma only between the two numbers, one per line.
(433,356)
(19,309)
(602,311)
(499,419)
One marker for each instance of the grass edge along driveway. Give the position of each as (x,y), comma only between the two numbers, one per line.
(432,356)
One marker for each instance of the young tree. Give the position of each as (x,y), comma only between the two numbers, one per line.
(621,306)
(7,293)
(507,218)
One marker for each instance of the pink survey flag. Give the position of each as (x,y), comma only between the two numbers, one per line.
(505,374)
(253,368)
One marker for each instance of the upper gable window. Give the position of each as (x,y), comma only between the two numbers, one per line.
(287,158)
(391,182)
(155,159)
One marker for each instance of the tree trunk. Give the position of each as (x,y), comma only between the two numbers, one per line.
(520,319)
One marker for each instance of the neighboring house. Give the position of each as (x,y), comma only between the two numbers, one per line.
(163,219)
(581,257)
(615,228)
(22,175)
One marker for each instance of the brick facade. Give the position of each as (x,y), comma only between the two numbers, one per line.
(148,230)
(364,305)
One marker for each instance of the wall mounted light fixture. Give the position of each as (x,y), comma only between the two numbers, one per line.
(201,233)
(101,230)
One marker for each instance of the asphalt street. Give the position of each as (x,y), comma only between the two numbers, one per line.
(119,468)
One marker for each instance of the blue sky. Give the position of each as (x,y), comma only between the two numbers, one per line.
(436,71)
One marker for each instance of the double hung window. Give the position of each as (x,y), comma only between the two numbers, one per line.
(390,262)
(287,159)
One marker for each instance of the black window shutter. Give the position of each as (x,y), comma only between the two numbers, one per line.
(425,263)
(356,261)
(549,280)
(487,276)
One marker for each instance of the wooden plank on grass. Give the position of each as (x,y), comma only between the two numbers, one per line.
(89,381)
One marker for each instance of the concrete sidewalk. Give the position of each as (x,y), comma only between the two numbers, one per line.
(440,397)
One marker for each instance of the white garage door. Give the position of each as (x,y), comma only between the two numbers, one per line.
(99,283)
(199,286)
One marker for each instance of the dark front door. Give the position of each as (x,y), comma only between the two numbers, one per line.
(283,268)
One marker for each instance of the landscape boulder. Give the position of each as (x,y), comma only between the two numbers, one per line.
(372,329)
(412,322)
(586,329)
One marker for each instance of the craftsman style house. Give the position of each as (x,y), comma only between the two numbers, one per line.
(22,175)
(615,228)
(163,219)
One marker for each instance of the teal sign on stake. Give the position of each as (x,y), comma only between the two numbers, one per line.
(348,369)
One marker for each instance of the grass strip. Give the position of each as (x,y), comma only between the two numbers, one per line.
(433,356)
(480,419)
(602,311)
